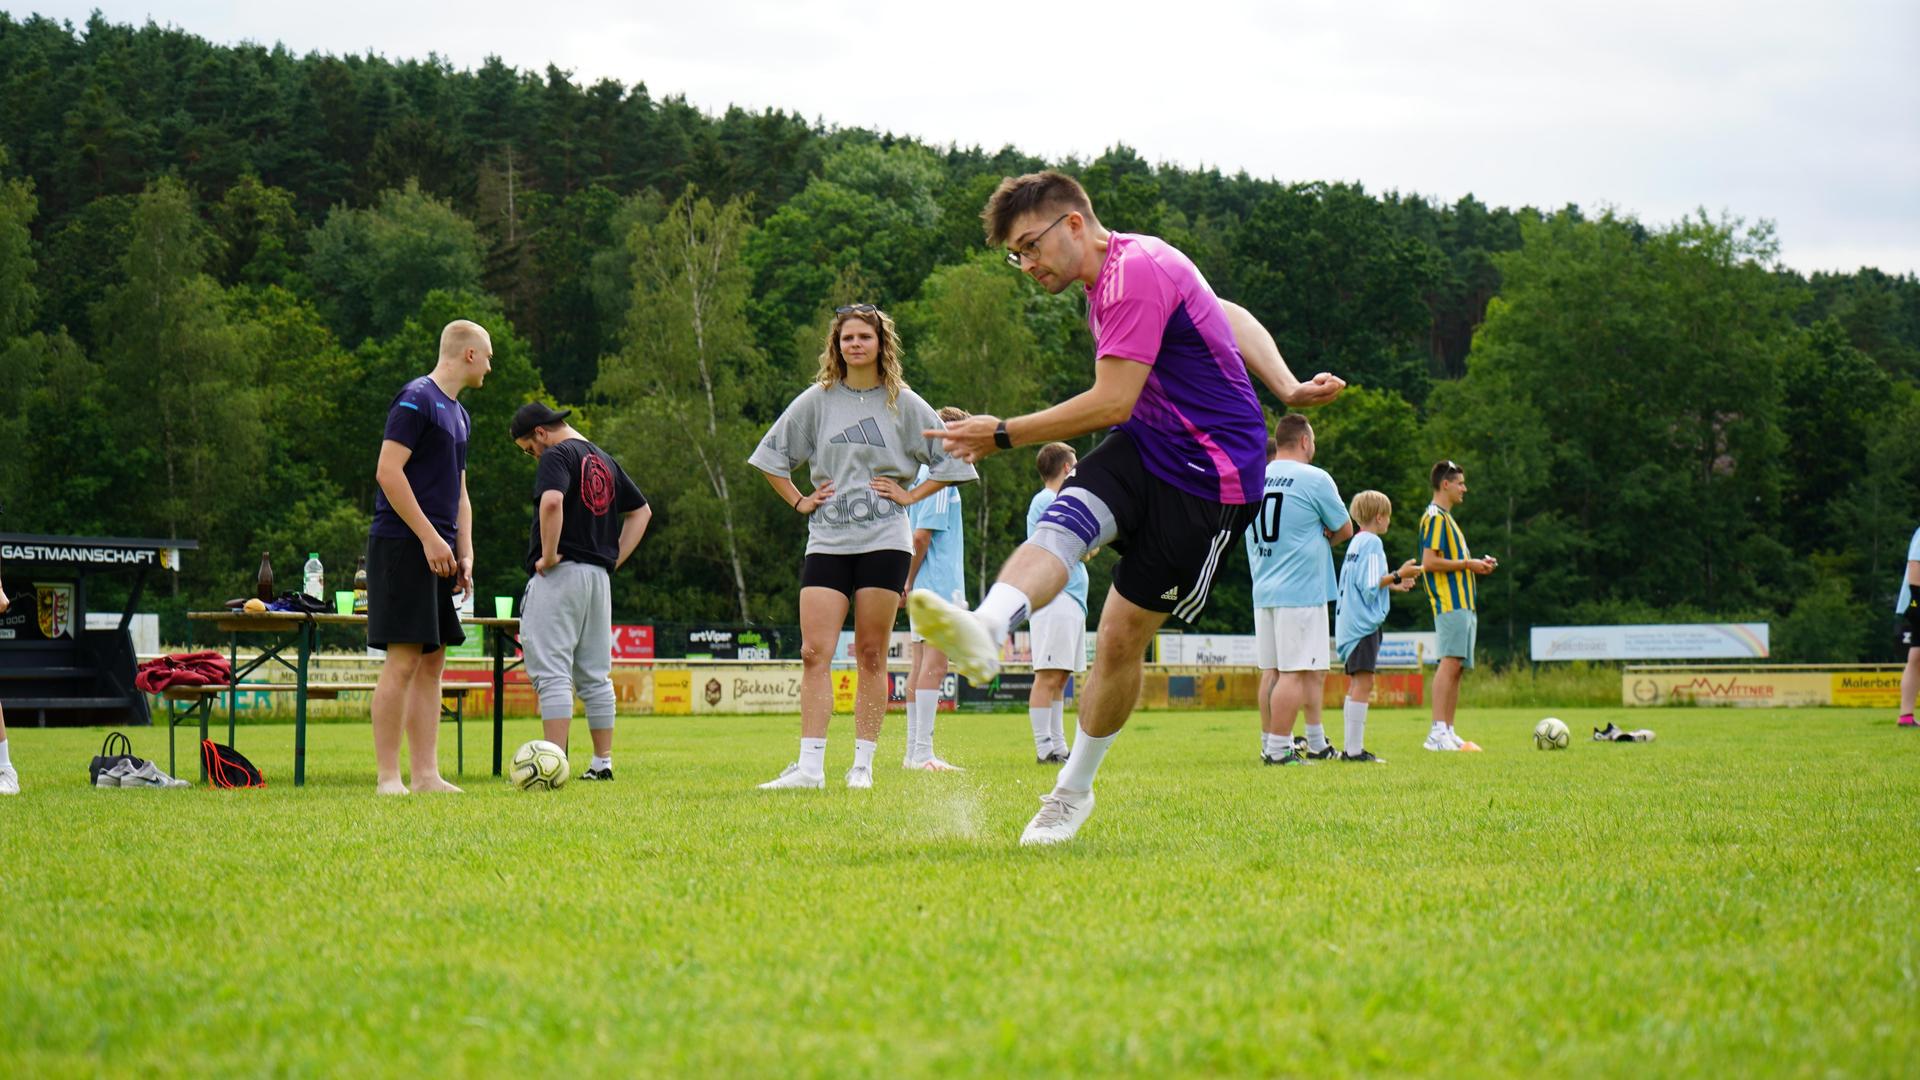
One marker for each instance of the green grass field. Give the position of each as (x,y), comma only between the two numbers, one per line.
(1736,898)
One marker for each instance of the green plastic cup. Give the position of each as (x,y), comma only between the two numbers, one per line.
(503,607)
(343,602)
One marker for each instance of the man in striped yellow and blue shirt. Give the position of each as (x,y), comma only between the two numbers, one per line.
(1449,573)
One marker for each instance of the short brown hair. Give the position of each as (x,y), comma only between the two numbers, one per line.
(1049,192)
(1290,429)
(953,414)
(1443,471)
(1053,459)
(1369,506)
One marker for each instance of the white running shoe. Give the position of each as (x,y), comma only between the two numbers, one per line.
(860,776)
(1061,815)
(792,777)
(934,764)
(112,777)
(9,781)
(1439,740)
(959,633)
(149,775)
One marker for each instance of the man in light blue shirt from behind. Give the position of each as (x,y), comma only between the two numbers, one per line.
(939,565)
(1290,549)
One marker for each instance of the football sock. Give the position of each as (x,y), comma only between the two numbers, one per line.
(1316,738)
(1269,744)
(1055,728)
(913,725)
(929,702)
(862,753)
(1042,721)
(1077,774)
(813,756)
(1356,715)
(599,762)
(1004,608)
(6,753)
(1439,727)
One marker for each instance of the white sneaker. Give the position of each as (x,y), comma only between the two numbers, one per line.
(9,781)
(860,776)
(1439,740)
(792,777)
(934,764)
(149,775)
(959,633)
(1061,815)
(112,777)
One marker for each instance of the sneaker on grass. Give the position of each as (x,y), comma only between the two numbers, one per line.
(1061,815)
(860,776)
(598,774)
(1362,756)
(147,774)
(1439,740)
(1327,753)
(9,781)
(1288,757)
(959,633)
(934,764)
(792,777)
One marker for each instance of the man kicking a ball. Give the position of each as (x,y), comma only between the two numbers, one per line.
(1175,480)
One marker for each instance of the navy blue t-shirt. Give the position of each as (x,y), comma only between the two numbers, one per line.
(434,426)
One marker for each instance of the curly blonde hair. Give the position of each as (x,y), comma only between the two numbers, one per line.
(833,366)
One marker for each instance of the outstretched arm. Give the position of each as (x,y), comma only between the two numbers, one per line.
(1264,362)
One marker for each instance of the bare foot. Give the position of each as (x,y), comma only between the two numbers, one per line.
(390,787)
(434,784)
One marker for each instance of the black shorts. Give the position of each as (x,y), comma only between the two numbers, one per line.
(1365,656)
(407,603)
(1904,630)
(1171,542)
(850,573)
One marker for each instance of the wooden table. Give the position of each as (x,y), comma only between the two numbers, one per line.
(301,631)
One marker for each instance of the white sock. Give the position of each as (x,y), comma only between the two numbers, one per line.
(599,762)
(1316,738)
(1267,741)
(863,753)
(1356,714)
(1440,727)
(929,708)
(1084,761)
(6,754)
(1055,728)
(1042,722)
(913,723)
(813,757)
(1004,608)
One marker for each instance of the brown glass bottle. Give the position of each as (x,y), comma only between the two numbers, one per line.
(264,587)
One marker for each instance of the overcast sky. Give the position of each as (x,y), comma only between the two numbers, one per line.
(1804,113)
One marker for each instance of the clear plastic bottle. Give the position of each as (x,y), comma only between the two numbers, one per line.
(314,577)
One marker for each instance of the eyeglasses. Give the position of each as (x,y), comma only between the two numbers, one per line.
(856,309)
(1031,249)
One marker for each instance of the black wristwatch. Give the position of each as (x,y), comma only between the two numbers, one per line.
(1000,437)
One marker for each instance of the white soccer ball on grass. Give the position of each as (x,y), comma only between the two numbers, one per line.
(1550,734)
(539,766)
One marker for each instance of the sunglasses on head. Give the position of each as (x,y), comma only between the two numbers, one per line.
(856,309)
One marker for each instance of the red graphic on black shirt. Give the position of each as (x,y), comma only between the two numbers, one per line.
(596,485)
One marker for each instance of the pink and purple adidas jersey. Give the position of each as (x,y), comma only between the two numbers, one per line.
(1197,423)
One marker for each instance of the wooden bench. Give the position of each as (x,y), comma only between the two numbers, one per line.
(186,702)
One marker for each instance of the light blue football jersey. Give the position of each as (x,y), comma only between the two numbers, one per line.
(1287,544)
(1076,577)
(944,570)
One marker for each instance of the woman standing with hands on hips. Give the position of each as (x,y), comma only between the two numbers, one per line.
(860,431)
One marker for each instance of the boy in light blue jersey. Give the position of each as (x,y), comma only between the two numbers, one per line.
(1059,630)
(1290,549)
(1907,606)
(1366,589)
(939,566)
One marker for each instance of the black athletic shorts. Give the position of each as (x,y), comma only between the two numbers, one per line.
(850,573)
(1908,633)
(407,603)
(1365,656)
(1171,543)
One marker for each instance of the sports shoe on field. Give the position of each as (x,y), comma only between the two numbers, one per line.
(1059,757)
(598,774)
(934,764)
(1908,721)
(1290,757)
(1299,744)
(1439,740)
(860,776)
(1061,815)
(792,777)
(147,774)
(959,633)
(1362,756)
(9,781)
(1326,754)
(112,777)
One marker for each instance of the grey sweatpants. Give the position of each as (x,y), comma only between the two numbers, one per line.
(566,631)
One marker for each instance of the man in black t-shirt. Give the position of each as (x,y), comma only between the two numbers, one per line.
(588,517)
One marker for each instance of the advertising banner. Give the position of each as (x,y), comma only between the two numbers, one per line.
(1688,641)
(1754,689)
(632,642)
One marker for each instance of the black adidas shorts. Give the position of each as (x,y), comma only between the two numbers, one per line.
(407,603)
(850,573)
(1171,543)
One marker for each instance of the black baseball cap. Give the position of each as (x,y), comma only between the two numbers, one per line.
(536,414)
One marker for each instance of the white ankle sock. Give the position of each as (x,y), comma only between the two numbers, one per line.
(6,753)
(1356,714)
(1042,721)
(913,724)
(1316,738)
(599,762)
(863,753)
(1267,740)
(929,702)
(813,756)
(1055,726)
(1004,608)
(1077,774)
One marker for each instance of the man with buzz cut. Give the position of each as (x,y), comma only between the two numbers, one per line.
(1175,480)
(588,517)
(1449,570)
(420,555)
